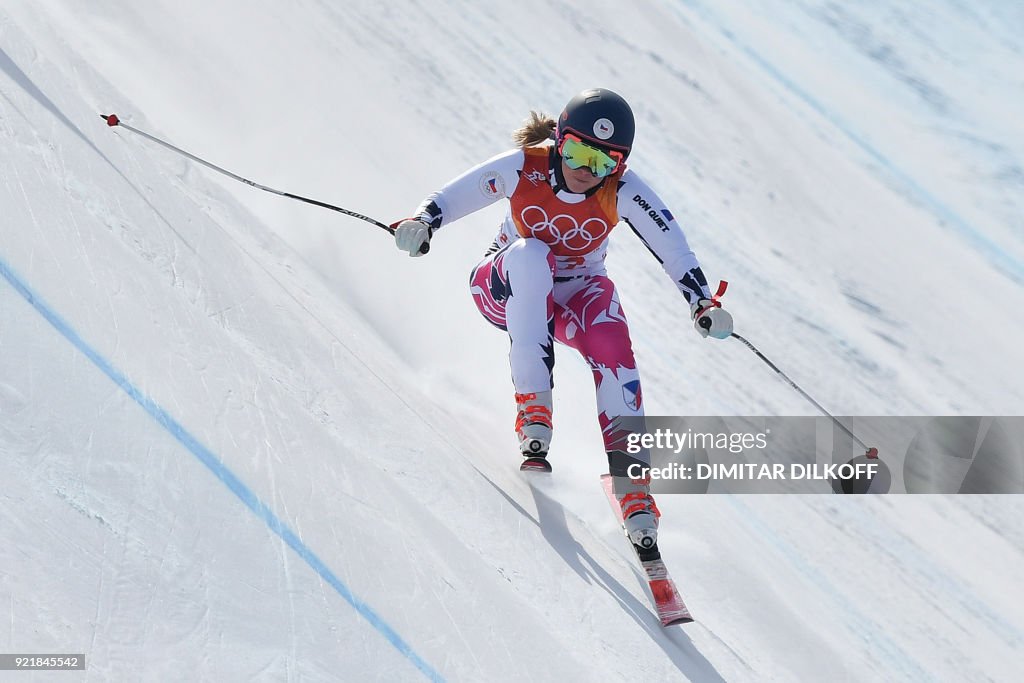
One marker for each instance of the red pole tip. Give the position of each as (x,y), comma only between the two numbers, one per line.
(111,120)
(872,453)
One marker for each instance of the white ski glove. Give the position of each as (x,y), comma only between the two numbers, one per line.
(413,236)
(711,320)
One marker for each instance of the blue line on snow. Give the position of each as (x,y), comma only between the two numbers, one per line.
(1009,264)
(859,622)
(219,469)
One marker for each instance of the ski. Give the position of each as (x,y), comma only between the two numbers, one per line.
(537,463)
(667,602)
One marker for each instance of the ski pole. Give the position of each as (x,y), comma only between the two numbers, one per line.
(112,120)
(871,452)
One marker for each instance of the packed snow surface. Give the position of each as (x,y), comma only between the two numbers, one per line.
(243,438)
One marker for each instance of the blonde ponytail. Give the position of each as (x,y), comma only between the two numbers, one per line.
(535,130)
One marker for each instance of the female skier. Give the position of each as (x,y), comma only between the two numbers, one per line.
(544,280)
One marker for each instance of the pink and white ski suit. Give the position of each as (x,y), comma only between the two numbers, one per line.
(544,280)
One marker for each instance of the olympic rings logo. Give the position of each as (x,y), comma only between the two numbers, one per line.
(564,230)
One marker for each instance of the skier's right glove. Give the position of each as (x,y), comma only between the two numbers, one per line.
(413,236)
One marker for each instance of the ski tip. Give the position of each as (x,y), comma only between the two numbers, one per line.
(111,119)
(537,464)
(678,621)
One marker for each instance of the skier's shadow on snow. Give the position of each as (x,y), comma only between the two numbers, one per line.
(553,526)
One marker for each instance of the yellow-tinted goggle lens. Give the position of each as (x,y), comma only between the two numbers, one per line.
(578,154)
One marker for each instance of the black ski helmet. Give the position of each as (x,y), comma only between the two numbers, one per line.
(601,118)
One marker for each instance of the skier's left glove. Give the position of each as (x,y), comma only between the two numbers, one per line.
(709,318)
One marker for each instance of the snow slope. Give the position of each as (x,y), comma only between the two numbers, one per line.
(246,439)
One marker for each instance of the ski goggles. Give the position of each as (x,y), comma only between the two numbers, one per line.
(578,154)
